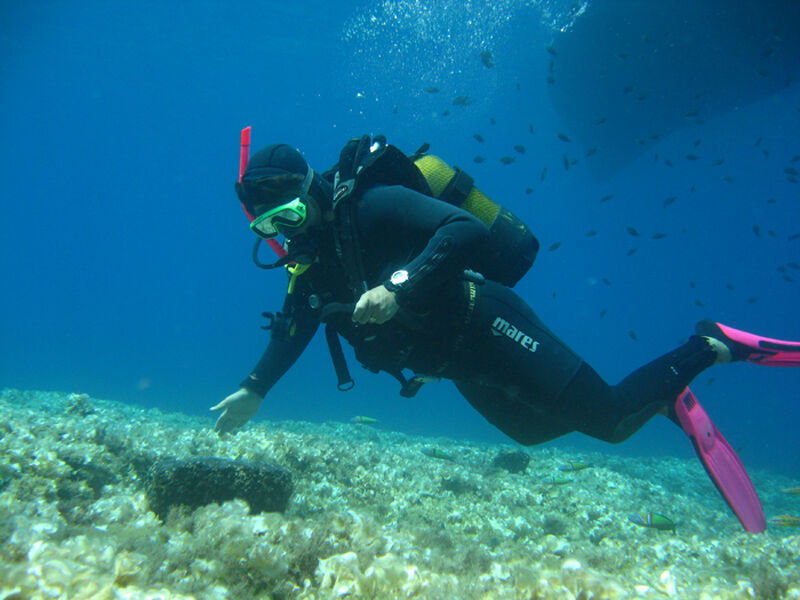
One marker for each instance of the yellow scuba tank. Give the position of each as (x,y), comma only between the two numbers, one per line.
(511,247)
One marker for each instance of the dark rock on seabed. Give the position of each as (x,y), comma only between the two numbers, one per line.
(196,482)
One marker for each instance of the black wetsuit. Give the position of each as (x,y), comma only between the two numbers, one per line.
(485,338)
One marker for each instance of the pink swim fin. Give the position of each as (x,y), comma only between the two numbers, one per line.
(721,463)
(751,347)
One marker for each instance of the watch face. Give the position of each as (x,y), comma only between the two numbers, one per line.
(399,277)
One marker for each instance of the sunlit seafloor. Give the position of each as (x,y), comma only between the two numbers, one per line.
(373,515)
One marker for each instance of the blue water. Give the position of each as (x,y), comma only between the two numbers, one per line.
(125,257)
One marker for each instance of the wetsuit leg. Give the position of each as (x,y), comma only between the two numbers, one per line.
(614,413)
(521,422)
(510,350)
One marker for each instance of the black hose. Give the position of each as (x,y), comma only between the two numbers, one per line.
(278,263)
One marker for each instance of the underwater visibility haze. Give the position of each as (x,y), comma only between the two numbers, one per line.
(652,147)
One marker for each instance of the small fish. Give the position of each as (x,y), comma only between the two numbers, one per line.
(590,233)
(554,246)
(697,142)
(563,137)
(566,162)
(445,112)
(551,50)
(530,127)
(796,158)
(606,198)
(507,160)
(574,466)
(528,190)
(492,121)
(543,176)
(658,236)
(632,335)
(793,265)
(728,178)
(600,121)
(757,230)
(692,285)
(519,86)
(632,231)
(793,237)
(791,171)
(603,313)
(520,148)
(361,420)
(434,452)
(794,490)
(730,287)
(691,113)
(758,141)
(752,299)
(627,89)
(462,101)
(396,109)
(653,521)
(631,252)
(785,521)
(551,80)
(606,280)
(478,159)
(487,59)
(668,162)
(718,162)
(670,200)
(698,302)
(432,90)
(591,152)
(692,157)
(553,480)
(478,137)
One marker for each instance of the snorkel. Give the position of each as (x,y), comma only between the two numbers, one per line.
(244,157)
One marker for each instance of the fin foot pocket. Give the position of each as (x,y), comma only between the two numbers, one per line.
(751,347)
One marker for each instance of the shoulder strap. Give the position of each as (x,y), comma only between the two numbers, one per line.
(458,188)
(348,248)
(352,160)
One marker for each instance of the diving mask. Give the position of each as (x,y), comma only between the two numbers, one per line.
(281,219)
(287,217)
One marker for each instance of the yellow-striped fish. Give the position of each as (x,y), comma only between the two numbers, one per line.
(785,521)
(574,466)
(361,420)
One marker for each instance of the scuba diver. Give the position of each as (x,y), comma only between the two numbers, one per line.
(404,277)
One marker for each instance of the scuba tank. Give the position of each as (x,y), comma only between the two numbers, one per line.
(511,248)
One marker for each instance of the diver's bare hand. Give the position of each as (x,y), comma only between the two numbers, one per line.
(377,305)
(238,408)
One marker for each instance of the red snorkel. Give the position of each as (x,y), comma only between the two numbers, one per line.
(244,156)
